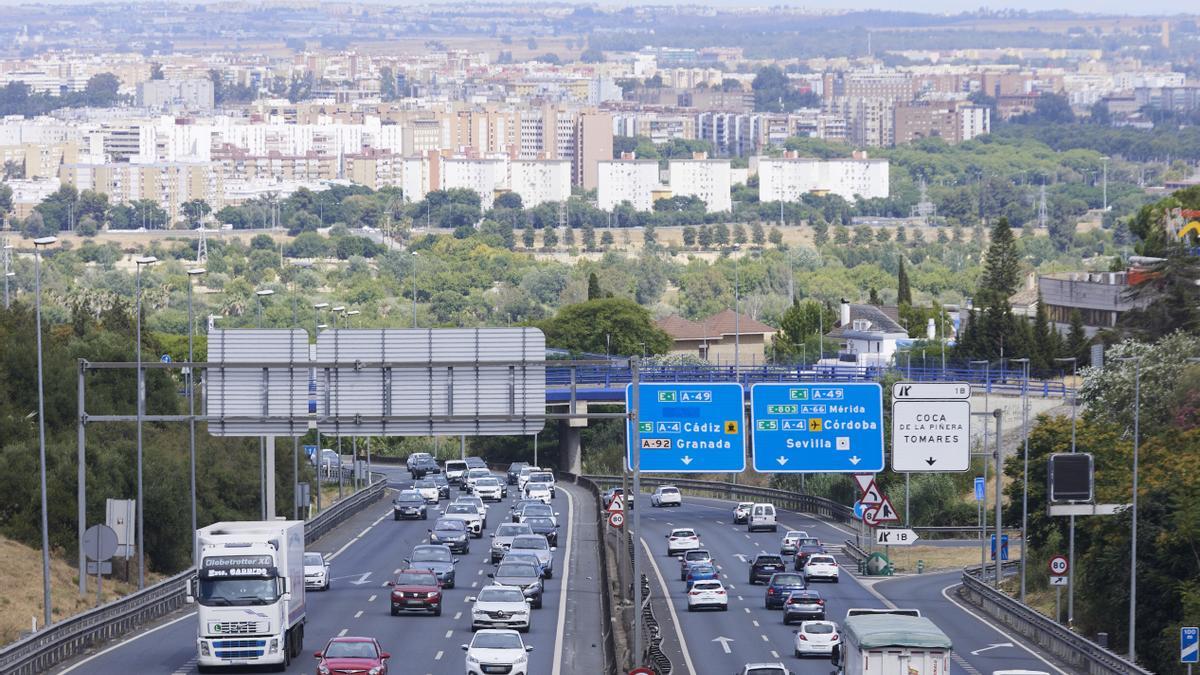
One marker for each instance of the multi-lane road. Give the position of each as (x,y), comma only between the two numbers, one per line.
(722,642)
(366,553)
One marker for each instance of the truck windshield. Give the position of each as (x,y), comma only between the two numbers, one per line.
(222,592)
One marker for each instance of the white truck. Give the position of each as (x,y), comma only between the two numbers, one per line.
(891,644)
(249,592)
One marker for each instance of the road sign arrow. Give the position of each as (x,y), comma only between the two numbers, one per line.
(871,495)
(686,460)
(782,460)
(361,580)
(997,645)
(931,461)
(724,643)
(855,460)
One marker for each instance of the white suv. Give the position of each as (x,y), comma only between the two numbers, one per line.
(821,567)
(682,539)
(667,495)
(762,517)
(707,593)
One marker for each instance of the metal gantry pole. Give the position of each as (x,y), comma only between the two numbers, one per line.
(1137,405)
(81,478)
(637,518)
(141,412)
(37,244)
(6,251)
(190,383)
(1025,474)
(998,414)
(1071,526)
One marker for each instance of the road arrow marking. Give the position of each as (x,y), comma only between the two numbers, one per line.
(361,580)
(686,460)
(725,643)
(855,460)
(977,652)
(782,460)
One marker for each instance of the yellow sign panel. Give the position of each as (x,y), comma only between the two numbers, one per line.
(814,425)
(1193,226)
(731,427)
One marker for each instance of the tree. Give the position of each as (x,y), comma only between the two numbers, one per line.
(589,237)
(820,233)
(583,327)
(569,237)
(549,238)
(1170,295)
(594,292)
(720,234)
(801,321)
(1002,267)
(776,237)
(757,235)
(903,290)
(689,236)
(739,234)
(508,200)
(528,236)
(606,239)
(649,236)
(704,237)
(101,90)
(592,55)
(194,210)
(873,297)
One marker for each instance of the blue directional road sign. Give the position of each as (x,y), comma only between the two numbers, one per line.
(817,428)
(688,428)
(1189,644)
(980,488)
(311,451)
(1003,547)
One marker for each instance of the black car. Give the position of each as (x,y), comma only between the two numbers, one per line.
(424,466)
(443,485)
(526,576)
(805,551)
(436,558)
(514,470)
(544,526)
(475,463)
(780,586)
(801,605)
(409,504)
(452,533)
(763,566)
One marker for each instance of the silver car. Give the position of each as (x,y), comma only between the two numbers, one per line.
(503,537)
(539,546)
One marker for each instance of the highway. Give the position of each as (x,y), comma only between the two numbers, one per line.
(366,552)
(722,642)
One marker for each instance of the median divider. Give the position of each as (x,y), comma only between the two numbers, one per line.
(608,640)
(73,636)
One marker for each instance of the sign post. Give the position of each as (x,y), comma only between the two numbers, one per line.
(688,428)
(1059,566)
(817,428)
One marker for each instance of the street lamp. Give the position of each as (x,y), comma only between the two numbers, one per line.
(1025,478)
(37,248)
(317,326)
(987,375)
(260,294)
(7,254)
(262,440)
(413,274)
(1137,404)
(737,314)
(337,311)
(190,382)
(141,405)
(1071,526)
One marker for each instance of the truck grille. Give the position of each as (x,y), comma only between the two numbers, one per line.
(239,627)
(239,649)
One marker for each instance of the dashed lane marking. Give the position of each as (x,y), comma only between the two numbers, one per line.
(449,633)
(371,599)
(358,614)
(343,632)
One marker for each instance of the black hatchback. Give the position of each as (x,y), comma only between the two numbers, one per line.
(763,566)
(780,586)
(805,551)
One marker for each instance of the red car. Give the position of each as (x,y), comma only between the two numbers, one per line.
(416,591)
(352,655)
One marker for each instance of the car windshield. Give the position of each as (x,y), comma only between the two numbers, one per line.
(313,559)
(794,535)
(517,570)
(424,484)
(821,560)
(415,579)
(541,478)
(487,481)
(410,497)
(484,640)
(766,671)
(814,628)
(455,525)
(478,473)
(461,508)
(431,554)
(456,466)
(238,591)
(346,649)
(511,530)
(787,580)
(501,595)
(533,543)
(540,522)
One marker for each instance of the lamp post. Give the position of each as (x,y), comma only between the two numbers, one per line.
(1071,525)
(987,365)
(737,313)
(37,249)
(413,274)
(190,383)
(1105,182)
(317,326)
(1137,405)
(337,311)
(262,440)
(260,294)
(141,405)
(6,252)
(1025,475)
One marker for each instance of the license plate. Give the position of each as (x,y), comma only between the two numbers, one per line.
(416,602)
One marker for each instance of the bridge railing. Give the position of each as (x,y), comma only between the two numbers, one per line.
(73,636)
(1080,654)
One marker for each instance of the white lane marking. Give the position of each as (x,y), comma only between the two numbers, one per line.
(371,599)
(687,656)
(449,633)
(343,632)
(479,573)
(466,600)
(474,584)
(764,637)
(747,609)
(740,598)
(556,668)
(187,667)
(755,622)
(360,536)
(358,614)
(396,571)
(732,587)
(438,656)
(457,616)
(774,654)
(125,642)
(998,630)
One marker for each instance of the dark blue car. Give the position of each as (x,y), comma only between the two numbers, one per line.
(780,586)
(701,571)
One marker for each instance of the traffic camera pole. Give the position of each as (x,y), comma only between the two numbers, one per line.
(635,437)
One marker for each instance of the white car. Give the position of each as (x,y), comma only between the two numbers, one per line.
(762,517)
(708,593)
(500,607)
(468,514)
(682,539)
(791,542)
(821,567)
(316,571)
(539,491)
(429,491)
(667,495)
(543,477)
(816,637)
(489,489)
(523,476)
(497,651)
(741,512)
(473,475)
(477,503)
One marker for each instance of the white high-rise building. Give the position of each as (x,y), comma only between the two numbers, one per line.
(627,180)
(708,179)
(484,176)
(789,177)
(540,181)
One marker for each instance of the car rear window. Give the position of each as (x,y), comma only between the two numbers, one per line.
(768,560)
(670,491)
(787,580)
(817,628)
(683,533)
(707,586)
(822,559)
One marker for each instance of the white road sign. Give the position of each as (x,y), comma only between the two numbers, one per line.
(863,480)
(895,537)
(931,435)
(1058,581)
(931,391)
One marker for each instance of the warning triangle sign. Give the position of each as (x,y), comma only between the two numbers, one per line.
(871,495)
(884,513)
(617,505)
(863,480)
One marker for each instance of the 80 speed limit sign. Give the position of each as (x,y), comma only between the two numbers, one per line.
(1058,565)
(616,519)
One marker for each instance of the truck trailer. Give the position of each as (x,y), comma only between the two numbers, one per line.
(891,644)
(249,593)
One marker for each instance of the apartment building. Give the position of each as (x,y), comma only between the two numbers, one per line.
(168,184)
(189,94)
(789,177)
(483,176)
(627,180)
(540,181)
(708,179)
(951,121)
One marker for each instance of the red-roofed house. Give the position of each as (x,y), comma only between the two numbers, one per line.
(713,339)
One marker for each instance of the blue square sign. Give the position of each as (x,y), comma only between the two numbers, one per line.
(834,427)
(1189,644)
(688,428)
(980,489)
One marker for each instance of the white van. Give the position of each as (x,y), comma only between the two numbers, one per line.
(762,517)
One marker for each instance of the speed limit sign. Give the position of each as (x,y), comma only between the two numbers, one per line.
(616,519)
(1058,565)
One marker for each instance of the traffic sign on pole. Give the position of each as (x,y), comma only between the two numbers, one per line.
(931,435)
(980,489)
(1189,644)
(881,513)
(871,496)
(863,480)
(1058,565)
(616,519)
(617,505)
(931,391)
(895,537)
(817,428)
(689,428)
(1056,580)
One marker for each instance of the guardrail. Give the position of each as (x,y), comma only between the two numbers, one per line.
(792,501)
(1080,654)
(72,636)
(652,652)
(854,551)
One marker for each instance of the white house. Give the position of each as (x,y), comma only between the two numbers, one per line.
(868,335)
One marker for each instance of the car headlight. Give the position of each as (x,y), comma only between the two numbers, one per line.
(323,669)
(472,659)
(431,594)
(204,648)
(375,671)
(520,660)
